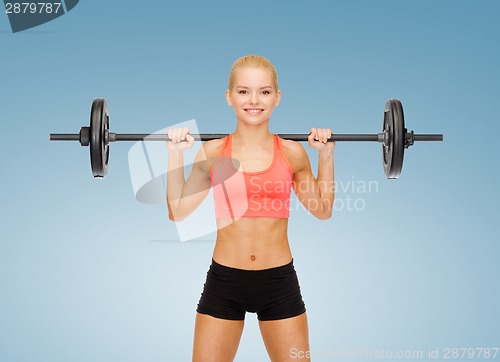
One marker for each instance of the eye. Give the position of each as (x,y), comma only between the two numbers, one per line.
(242,92)
(266,92)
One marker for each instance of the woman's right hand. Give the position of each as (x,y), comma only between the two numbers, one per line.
(177,136)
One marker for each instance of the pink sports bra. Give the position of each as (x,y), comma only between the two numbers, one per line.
(251,194)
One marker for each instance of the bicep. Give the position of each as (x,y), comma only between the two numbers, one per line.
(304,183)
(198,182)
(303,178)
(196,186)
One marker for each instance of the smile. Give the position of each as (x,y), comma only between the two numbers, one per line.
(254,111)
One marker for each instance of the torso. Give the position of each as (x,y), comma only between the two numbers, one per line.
(251,243)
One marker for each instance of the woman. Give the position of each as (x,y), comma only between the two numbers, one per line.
(252,172)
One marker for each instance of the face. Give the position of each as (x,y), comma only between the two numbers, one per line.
(253,96)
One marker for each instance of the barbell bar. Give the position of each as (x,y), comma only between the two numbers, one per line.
(394,137)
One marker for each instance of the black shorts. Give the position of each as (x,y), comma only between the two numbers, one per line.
(272,293)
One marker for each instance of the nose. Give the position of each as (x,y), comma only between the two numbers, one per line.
(254,99)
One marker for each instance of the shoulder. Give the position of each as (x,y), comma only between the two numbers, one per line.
(291,147)
(208,153)
(295,154)
(212,148)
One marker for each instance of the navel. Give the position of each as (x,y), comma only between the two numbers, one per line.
(252,258)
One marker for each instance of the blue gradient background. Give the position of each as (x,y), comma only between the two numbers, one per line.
(87,273)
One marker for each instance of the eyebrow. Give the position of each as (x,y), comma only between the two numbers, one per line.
(242,87)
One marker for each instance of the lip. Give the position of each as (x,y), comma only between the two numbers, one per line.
(253,111)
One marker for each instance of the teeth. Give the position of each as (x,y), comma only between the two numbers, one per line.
(253,111)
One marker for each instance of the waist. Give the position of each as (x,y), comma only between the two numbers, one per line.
(279,270)
(253,245)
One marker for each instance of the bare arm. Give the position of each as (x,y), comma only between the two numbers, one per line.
(184,196)
(316,194)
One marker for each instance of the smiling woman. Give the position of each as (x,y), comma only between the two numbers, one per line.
(252,266)
(253,88)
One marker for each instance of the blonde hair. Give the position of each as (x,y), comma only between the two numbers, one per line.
(253,61)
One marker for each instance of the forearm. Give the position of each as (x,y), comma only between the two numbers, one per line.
(325,181)
(175,180)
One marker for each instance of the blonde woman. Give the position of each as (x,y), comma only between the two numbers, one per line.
(252,266)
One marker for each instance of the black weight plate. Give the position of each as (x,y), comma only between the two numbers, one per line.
(394,128)
(99,148)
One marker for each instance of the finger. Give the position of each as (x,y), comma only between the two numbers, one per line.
(184,132)
(312,134)
(173,136)
(316,134)
(324,133)
(320,135)
(178,133)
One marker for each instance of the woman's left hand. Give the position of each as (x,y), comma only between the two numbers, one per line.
(318,139)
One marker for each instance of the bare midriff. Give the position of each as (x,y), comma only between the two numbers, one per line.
(252,243)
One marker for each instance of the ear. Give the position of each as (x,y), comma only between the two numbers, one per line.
(278,98)
(228,98)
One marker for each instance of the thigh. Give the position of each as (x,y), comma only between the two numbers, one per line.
(286,338)
(216,339)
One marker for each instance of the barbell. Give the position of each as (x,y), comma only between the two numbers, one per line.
(394,137)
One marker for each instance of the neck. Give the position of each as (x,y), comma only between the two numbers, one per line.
(248,134)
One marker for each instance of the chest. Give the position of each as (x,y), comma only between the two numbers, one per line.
(252,160)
